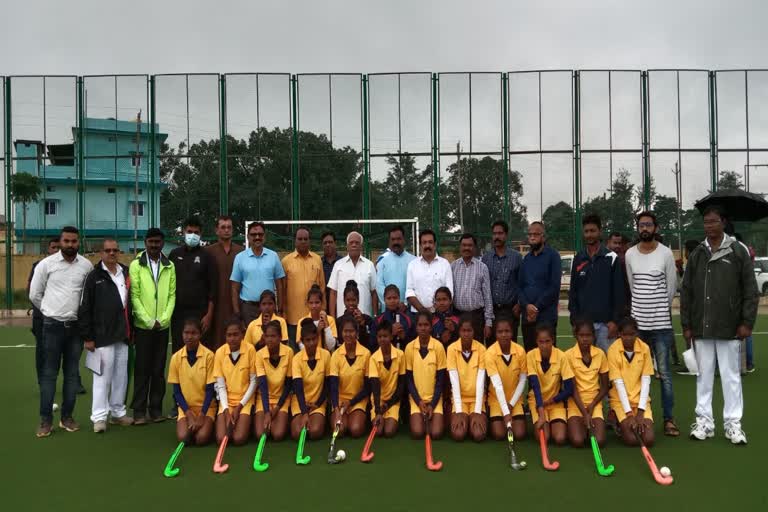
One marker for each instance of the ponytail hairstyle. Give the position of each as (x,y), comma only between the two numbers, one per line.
(351,287)
(273,325)
(308,327)
(315,290)
(583,322)
(268,294)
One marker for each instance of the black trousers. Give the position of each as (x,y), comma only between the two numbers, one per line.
(149,372)
(529,335)
(180,314)
(505,311)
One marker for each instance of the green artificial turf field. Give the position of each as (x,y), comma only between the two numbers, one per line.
(122,469)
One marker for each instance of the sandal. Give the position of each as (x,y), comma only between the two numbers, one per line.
(670,429)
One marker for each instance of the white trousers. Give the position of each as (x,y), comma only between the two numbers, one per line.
(109,387)
(724,354)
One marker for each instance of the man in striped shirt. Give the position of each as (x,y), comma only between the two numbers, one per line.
(652,277)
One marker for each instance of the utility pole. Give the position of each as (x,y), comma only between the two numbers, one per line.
(461,199)
(136,162)
(678,186)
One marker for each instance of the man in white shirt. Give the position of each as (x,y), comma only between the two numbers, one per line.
(55,290)
(355,267)
(104,328)
(426,274)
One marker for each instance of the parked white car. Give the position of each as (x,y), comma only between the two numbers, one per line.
(761,273)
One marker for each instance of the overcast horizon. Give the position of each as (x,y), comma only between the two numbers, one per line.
(88,37)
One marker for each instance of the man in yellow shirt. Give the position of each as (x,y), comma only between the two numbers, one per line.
(303,268)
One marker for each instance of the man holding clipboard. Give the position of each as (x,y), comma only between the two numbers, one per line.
(105,329)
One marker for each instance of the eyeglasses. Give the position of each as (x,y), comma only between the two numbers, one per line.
(256,235)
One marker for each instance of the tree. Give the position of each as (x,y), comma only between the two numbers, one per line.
(729,180)
(25,189)
(618,207)
(558,220)
(482,190)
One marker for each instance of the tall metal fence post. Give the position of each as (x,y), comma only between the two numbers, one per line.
(576,93)
(713,163)
(435,156)
(223,174)
(646,142)
(152,170)
(366,163)
(8,200)
(505,145)
(80,156)
(295,212)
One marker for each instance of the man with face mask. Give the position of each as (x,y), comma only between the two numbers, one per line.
(652,276)
(196,282)
(55,290)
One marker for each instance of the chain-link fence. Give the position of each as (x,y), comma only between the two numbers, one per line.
(114,155)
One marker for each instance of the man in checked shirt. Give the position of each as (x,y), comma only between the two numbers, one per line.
(472,288)
(503,264)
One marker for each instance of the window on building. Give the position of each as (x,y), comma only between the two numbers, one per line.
(51,206)
(137,211)
(136,158)
(50,188)
(141,191)
(110,190)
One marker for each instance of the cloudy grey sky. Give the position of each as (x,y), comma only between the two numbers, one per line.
(82,37)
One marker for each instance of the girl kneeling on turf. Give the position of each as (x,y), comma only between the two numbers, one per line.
(425,364)
(191,374)
(311,367)
(445,323)
(274,363)
(364,322)
(254,334)
(386,371)
(630,369)
(466,370)
(551,382)
(590,369)
(505,363)
(348,381)
(234,369)
(326,325)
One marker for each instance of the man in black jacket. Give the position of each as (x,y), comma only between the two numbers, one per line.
(105,329)
(718,307)
(597,289)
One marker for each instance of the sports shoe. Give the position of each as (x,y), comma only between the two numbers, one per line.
(734,434)
(701,431)
(69,424)
(123,421)
(751,369)
(100,427)
(44,430)
(139,421)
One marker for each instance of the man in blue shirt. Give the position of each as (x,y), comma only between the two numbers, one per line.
(539,285)
(503,264)
(255,270)
(392,267)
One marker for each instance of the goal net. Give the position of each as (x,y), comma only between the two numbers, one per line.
(375,233)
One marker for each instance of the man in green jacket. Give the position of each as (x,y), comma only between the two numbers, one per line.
(153,297)
(718,307)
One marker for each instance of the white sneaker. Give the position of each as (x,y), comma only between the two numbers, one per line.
(701,431)
(100,427)
(734,434)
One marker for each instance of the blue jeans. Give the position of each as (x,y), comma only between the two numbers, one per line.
(661,342)
(61,341)
(750,361)
(601,336)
